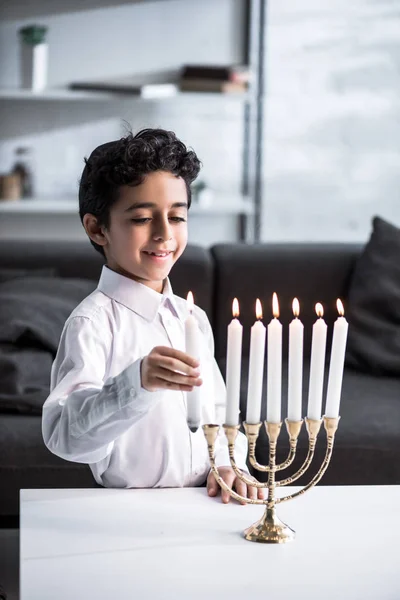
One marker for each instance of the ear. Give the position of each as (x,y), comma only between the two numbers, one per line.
(94,230)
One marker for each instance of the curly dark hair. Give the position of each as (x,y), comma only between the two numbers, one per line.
(126,162)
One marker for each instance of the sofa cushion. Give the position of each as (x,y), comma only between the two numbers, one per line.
(7,274)
(374,303)
(33,311)
(25,378)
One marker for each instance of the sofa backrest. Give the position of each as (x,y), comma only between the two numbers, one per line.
(193,271)
(311,272)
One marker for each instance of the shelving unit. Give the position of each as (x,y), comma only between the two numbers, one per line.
(247,206)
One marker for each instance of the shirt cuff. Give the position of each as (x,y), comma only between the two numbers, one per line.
(131,392)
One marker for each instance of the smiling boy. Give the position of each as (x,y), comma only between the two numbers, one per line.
(118,383)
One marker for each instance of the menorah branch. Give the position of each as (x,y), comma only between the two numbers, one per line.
(313,427)
(252,432)
(231,432)
(211,434)
(331,426)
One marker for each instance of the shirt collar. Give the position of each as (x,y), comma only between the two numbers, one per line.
(137,297)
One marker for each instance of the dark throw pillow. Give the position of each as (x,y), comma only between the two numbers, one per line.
(7,274)
(33,311)
(373,309)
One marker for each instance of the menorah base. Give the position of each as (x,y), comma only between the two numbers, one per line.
(269,530)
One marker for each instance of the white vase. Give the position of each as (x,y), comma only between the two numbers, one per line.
(34,59)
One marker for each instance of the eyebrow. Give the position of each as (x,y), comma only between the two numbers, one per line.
(153,205)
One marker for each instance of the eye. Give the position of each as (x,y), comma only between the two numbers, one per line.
(141,221)
(177,219)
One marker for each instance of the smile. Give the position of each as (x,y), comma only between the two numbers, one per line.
(158,254)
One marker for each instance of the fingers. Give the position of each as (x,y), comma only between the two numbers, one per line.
(232,481)
(252,492)
(229,478)
(176,378)
(167,368)
(261,493)
(241,489)
(177,357)
(212,485)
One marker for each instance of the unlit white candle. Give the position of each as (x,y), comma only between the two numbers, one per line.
(233,368)
(336,366)
(256,369)
(192,347)
(317,367)
(274,367)
(295,375)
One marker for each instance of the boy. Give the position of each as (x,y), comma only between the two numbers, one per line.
(119,379)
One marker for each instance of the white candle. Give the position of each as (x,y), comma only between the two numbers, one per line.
(295,381)
(337,364)
(317,366)
(274,366)
(256,368)
(233,367)
(192,347)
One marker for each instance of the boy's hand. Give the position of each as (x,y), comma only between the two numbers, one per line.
(170,369)
(233,481)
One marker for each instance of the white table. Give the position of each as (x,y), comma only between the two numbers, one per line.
(97,544)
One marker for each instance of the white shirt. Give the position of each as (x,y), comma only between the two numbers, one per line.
(98,412)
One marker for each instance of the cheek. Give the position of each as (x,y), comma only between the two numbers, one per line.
(182,238)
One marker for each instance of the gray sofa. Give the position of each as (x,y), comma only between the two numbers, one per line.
(367,448)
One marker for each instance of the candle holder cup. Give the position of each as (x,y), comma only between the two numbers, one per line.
(270,529)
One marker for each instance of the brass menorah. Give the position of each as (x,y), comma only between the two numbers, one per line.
(270,529)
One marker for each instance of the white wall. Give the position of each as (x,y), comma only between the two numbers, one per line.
(332,131)
(115,41)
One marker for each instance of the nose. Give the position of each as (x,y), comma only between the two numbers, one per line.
(162,230)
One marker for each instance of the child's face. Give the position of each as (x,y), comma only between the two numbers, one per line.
(148,229)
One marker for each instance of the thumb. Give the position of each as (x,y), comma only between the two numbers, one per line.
(212,485)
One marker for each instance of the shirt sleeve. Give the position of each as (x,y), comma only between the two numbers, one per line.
(84,415)
(221,447)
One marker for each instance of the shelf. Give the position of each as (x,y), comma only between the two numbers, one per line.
(222,204)
(64,94)
(52,94)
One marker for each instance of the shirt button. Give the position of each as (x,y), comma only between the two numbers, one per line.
(132,393)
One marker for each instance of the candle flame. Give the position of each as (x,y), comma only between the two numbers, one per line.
(275,306)
(259,313)
(319,309)
(296,307)
(235,308)
(190,301)
(339,306)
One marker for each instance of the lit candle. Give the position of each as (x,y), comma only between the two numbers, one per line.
(233,366)
(192,347)
(337,363)
(296,331)
(274,365)
(317,366)
(256,368)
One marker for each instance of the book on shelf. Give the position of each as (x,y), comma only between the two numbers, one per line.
(234,73)
(212,85)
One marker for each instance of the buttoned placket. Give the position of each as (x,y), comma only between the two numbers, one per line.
(175,331)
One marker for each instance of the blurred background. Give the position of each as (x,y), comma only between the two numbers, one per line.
(292,106)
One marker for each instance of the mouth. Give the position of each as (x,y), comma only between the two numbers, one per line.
(159,256)
(163,254)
